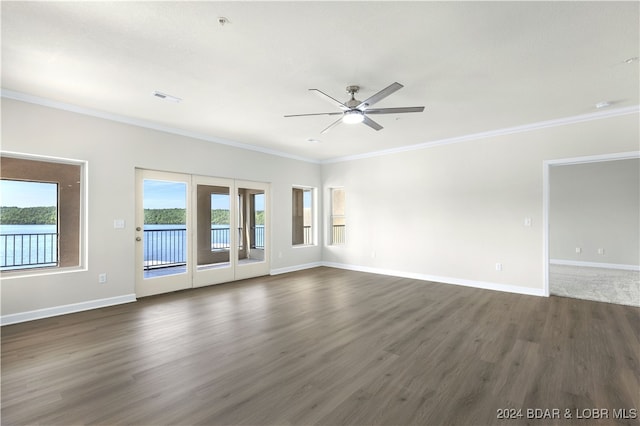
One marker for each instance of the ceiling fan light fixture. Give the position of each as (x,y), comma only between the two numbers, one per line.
(353,116)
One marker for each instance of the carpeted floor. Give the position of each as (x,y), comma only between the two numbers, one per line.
(599,284)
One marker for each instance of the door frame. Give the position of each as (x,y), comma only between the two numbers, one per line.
(193,277)
(546,197)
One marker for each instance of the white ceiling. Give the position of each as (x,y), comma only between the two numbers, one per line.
(475,66)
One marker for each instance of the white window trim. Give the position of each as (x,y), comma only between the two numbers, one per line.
(83,255)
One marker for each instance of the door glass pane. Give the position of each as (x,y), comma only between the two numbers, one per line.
(251,225)
(213,226)
(258,202)
(240,221)
(165,229)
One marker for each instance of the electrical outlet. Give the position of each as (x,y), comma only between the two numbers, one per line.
(578,250)
(600,251)
(102,278)
(498,266)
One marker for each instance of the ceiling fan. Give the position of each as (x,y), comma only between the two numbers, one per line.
(355,111)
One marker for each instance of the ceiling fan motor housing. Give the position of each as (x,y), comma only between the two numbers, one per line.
(353,89)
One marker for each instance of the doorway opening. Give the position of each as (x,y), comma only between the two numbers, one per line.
(591,230)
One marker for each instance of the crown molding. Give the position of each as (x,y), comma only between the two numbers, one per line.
(635,109)
(10,94)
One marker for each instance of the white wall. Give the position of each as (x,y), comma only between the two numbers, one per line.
(592,206)
(447,213)
(451,212)
(113,150)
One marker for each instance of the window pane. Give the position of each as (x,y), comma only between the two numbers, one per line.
(337,202)
(67,178)
(302,216)
(338,220)
(308,216)
(297,217)
(28,224)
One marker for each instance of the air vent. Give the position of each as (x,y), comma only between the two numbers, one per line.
(166,97)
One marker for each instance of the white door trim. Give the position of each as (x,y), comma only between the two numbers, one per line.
(546,191)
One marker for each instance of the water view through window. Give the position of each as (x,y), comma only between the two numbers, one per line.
(165,229)
(168,243)
(28,224)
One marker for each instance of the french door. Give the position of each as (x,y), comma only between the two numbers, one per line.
(194,231)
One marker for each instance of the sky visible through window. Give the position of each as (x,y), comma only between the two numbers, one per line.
(306,199)
(164,195)
(172,195)
(17,193)
(157,195)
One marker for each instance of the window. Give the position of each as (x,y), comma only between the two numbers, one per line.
(302,216)
(40,214)
(338,221)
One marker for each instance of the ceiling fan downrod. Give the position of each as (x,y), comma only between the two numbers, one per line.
(353,102)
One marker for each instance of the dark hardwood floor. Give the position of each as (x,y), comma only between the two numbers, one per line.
(326,346)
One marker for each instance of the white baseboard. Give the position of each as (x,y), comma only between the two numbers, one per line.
(295,268)
(446,280)
(65,309)
(101,303)
(594,264)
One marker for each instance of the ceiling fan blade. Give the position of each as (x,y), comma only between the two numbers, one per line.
(369,122)
(379,96)
(332,125)
(394,110)
(332,100)
(315,113)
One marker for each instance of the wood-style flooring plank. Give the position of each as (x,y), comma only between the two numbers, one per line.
(327,347)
